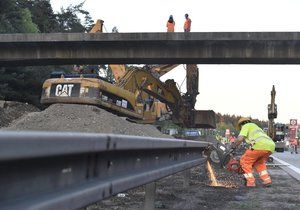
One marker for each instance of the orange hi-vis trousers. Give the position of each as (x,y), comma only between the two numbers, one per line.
(256,159)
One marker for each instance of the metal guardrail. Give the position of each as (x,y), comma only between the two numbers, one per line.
(45,170)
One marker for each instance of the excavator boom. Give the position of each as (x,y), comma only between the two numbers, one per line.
(272,114)
(98,27)
(161,70)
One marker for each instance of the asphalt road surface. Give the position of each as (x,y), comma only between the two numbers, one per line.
(289,162)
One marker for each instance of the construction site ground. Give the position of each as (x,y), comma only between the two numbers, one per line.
(171,194)
(170,191)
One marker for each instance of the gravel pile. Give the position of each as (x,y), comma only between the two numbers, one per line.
(11,110)
(82,118)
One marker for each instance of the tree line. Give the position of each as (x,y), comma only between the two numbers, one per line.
(35,16)
(226,121)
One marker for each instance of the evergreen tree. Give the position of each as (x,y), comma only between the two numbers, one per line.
(69,21)
(15,19)
(227,121)
(25,23)
(42,14)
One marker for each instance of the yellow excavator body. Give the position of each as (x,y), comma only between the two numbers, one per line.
(92,91)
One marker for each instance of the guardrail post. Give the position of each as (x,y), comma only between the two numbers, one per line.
(186,178)
(150,196)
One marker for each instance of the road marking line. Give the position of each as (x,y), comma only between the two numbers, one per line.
(279,164)
(290,166)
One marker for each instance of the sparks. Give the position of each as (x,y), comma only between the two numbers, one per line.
(212,176)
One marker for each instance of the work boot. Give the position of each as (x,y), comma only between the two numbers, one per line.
(250,184)
(267,185)
(245,182)
(250,180)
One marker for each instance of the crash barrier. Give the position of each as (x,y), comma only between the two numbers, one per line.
(52,170)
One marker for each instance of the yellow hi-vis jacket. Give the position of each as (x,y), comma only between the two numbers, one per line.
(257,138)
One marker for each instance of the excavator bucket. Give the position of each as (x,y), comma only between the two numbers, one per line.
(204,119)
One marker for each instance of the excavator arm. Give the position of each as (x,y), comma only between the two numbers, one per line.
(144,83)
(161,70)
(117,70)
(272,114)
(98,27)
(193,117)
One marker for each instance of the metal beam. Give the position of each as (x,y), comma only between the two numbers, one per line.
(51,170)
(150,48)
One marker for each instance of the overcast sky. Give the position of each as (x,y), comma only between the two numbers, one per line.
(228,89)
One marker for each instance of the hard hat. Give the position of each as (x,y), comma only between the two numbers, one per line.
(241,121)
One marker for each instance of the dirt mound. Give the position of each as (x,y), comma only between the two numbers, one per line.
(12,110)
(82,118)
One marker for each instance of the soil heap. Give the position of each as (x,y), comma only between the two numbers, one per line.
(82,118)
(12,110)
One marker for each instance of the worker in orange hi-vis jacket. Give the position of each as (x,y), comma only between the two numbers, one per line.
(294,145)
(187,23)
(261,147)
(232,139)
(170,24)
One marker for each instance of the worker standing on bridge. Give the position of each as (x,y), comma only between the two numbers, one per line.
(261,147)
(187,23)
(170,24)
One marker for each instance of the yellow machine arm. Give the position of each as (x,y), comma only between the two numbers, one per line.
(98,27)
(163,69)
(272,114)
(118,71)
(143,83)
(137,80)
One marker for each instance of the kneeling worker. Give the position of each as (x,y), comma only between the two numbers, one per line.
(261,147)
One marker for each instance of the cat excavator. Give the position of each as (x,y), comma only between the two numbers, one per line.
(135,92)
